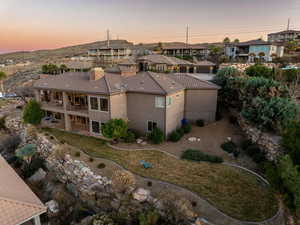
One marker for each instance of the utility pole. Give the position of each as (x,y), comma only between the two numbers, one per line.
(108,44)
(187,35)
(288,26)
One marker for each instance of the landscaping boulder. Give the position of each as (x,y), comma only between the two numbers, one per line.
(139,141)
(52,206)
(192,139)
(38,175)
(141,194)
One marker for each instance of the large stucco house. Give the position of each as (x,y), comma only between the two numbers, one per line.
(254,49)
(84,101)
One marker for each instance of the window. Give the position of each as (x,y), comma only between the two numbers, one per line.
(104,104)
(169,100)
(94,103)
(95,127)
(159,102)
(151,125)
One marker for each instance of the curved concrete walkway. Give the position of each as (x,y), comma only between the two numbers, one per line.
(204,208)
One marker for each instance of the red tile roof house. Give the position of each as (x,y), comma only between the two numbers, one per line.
(18,204)
(83,101)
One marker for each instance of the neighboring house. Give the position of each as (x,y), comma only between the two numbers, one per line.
(171,64)
(250,50)
(83,102)
(18,204)
(284,36)
(110,54)
(184,50)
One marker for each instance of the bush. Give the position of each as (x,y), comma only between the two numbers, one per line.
(200,123)
(187,128)
(77,154)
(259,70)
(252,150)
(273,114)
(229,147)
(291,75)
(156,136)
(174,136)
(115,129)
(180,131)
(33,113)
(291,141)
(245,144)
(196,155)
(10,143)
(101,166)
(130,137)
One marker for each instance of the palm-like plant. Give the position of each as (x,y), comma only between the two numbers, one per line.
(2,78)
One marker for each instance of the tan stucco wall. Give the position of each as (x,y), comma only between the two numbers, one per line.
(98,115)
(201,104)
(175,112)
(140,109)
(118,106)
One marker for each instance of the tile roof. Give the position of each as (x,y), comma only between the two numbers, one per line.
(129,61)
(146,82)
(184,46)
(204,63)
(17,202)
(191,82)
(162,59)
(253,42)
(79,64)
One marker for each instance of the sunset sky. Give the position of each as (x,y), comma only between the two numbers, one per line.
(44,24)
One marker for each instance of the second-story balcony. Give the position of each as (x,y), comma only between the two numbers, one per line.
(77,103)
(52,100)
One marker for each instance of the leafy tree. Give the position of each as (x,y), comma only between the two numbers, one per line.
(215,52)
(272,114)
(115,129)
(291,179)
(291,140)
(2,78)
(291,75)
(226,40)
(33,113)
(50,69)
(258,70)
(236,41)
(225,73)
(63,68)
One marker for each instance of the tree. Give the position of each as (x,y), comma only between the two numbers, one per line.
(2,78)
(33,113)
(291,141)
(115,129)
(236,41)
(215,52)
(291,46)
(226,40)
(63,68)
(50,69)
(258,70)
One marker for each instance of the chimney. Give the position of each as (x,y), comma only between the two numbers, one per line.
(96,73)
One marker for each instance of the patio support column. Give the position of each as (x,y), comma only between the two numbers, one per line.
(37,220)
(65,100)
(37,94)
(67,122)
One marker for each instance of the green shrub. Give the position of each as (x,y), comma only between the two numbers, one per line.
(130,137)
(2,123)
(273,114)
(180,131)
(229,146)
(200,123)
(259,157)
(245,144)
(252,150)
(115,129)
(33,113)
(156,136)
(291,141)
(196,155)
(291,75)
(101,166)
(259,70)
(174,136)
(187,128)
(77,154)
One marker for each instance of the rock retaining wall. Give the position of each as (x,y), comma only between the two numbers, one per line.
(269,143)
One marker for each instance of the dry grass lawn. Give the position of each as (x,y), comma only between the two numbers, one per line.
(232,191)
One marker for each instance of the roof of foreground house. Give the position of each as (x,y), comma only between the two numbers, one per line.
(146,82)
(18,203)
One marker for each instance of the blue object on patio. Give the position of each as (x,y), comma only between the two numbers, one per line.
(146,165)
(184,121)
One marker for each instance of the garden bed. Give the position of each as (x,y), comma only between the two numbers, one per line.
(232,191)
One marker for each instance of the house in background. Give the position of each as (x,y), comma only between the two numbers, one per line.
(18,204)
(255,49)
(284,36)
(84,101)
(186,50)
(171,64)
